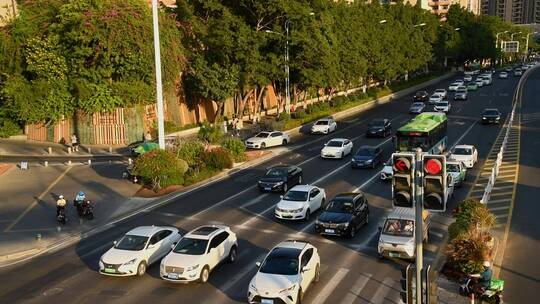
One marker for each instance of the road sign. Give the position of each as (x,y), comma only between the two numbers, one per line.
(510,46)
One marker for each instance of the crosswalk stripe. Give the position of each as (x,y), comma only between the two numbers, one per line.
(329,288)
(382,291)
(357,288)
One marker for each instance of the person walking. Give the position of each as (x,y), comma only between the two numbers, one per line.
(74,142)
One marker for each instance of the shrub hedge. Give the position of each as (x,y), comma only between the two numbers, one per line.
(236,147)
(217,159)
(211,133)
(160,168)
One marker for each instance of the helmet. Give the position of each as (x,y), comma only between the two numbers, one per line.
(61,196)
(486,264)
(80,193)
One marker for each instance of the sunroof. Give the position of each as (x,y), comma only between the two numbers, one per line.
(205,230)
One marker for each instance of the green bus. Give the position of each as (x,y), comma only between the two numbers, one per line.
(427,131)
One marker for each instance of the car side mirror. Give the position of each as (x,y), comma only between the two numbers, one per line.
(305,268)
(115,242)
(258,264)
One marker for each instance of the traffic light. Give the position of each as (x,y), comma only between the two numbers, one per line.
(403,180)
(435,182)
(407,275)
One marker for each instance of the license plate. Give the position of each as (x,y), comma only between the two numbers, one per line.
(267,301)
(110,270)
(173,276)
(267,188)
(393,255)
(329,231)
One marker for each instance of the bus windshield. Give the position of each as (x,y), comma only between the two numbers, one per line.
(410,143)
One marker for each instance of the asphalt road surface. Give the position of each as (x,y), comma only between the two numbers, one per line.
(521,268)
(351,272)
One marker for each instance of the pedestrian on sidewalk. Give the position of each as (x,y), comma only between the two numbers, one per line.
(74,143)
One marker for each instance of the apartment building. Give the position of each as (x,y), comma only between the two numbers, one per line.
(515,11)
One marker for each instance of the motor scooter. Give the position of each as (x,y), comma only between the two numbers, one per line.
(492,294)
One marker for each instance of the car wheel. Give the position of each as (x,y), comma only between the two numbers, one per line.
(285,188)
(141,269)
(205,273)
(233,254)
(317,276)
(284,142)
(308,215)
(263,145)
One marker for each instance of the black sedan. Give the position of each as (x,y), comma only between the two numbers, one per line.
(280,178)
(380,127)
(491,116)
(422,96)
(367,157)
(343,215)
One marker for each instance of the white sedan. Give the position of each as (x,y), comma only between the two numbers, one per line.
(137,250)
(441,92)
(337,148)
(387,171)
(198,253)
(285,274)
(454,85)
(436,97)
(267,139)
(300,202)
(442,106)
(324,126)
(467,154)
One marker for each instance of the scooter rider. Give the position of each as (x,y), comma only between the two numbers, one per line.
(60,204)
(79,198)
(484,278)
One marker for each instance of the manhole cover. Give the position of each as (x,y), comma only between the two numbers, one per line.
(52,291)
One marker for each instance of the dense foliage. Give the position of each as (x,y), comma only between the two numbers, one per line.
(236,147)
(60,56)
(160,168)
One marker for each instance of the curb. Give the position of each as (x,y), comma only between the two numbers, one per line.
(27,254)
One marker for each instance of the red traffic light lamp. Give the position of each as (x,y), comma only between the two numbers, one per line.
(402,165)
(433,166)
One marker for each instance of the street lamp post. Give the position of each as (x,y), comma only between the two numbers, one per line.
(512,36)
(159,88)
(287,80)
(497,40)
(527,44)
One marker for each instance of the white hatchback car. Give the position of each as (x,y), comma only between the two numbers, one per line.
(441,92)
(198,253)
(137,250)
(454,85)
(467,154)
(267,139)
(299,202)
(337,148)
(285,274)
(324,126)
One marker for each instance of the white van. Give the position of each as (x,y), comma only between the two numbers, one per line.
(397,234)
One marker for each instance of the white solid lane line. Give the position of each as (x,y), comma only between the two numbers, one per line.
(330,287)
(356,290)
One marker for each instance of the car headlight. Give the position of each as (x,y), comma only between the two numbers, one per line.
(130,262)
(279,183)
(297,210)
(317,222)
(369,161)
(191,268)
(287,290)
(345,225)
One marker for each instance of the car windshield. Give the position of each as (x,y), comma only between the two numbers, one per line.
(263,135)
(417,104)
(377,123)
(276,172)
(132,242)
(491,112)
(365,152)
(462,151)
(421,93)
(282,265)
(452,167)
(435,96)
(296,196)
(340,206)
(191,246)
(322,122)
(398,227)
(335,143)
(459,90)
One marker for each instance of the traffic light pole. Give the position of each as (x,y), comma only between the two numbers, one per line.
(419,223)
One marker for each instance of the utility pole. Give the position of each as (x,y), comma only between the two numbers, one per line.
(288,79)
(527,45)
(159,87)
(419,229)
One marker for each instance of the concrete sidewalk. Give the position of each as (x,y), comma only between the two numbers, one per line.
(35,148)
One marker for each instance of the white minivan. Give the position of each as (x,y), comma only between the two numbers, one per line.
(397,234)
